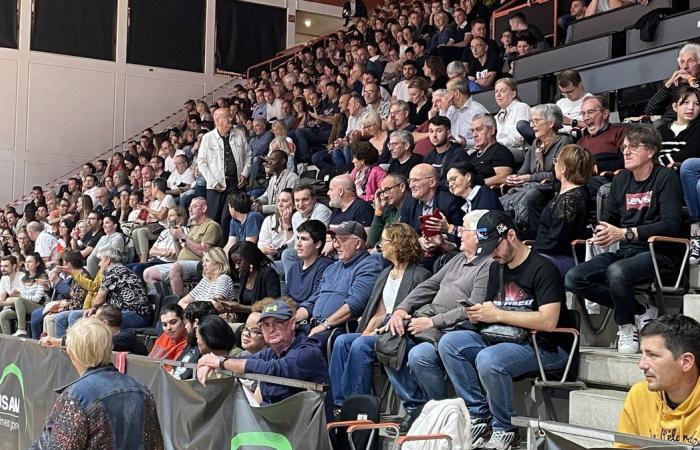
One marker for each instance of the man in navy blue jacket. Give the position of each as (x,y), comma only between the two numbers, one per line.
(426,198)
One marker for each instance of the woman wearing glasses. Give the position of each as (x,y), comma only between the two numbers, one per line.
(351,362)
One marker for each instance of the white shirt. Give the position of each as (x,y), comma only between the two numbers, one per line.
(506,121)
(187,177)
(46,245)
(391,288)
(467,206)
(7,285)
(462,120)
(275,109)
(401,90)
(320,212)
(92,192)
(570,109)
(157,205)
(271,236)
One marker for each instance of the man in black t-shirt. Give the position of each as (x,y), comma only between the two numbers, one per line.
(645,200)
(524,291)
(492,160)
(402,157)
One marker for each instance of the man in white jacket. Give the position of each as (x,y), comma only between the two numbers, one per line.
(224,161)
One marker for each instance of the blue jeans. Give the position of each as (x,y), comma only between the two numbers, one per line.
(37,323)
(610,279)
(129,320)
(404,382)
(305,139)
(690,179)
(351,366)
(482,375)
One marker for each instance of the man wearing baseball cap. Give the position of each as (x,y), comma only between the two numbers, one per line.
(525,291)
(345,286)
(287,355)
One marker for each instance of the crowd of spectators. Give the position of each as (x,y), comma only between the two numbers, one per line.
(360,191)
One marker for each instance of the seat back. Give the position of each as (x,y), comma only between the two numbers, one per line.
(157,301)
(359,407)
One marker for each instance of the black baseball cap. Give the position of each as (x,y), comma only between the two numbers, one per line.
(491,228)
(348,228)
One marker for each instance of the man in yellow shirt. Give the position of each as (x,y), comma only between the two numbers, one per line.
(667,404)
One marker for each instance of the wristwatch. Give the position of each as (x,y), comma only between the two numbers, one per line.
(629,235)
(290,229)
(222,360)
(326,325)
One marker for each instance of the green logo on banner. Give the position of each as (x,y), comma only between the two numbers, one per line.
(275,441)
(10,404)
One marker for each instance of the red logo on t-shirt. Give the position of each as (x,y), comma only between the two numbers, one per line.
(639,201)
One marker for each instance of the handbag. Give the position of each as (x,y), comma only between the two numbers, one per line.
(496,333)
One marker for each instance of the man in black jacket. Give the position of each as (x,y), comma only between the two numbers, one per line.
(645,200)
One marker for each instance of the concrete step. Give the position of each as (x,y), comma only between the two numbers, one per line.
(691,305)
(607,367)
(596,408)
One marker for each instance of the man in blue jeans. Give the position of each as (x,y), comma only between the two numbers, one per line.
(645,200)
(524,291)
(462,279)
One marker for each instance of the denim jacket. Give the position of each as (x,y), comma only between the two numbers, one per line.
(103,409)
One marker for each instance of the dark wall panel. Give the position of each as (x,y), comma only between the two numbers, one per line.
(247,33)
(167,33)
(75,27)
(8,23)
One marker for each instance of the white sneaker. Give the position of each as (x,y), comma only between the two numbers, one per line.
(628,339)
(20,333)
(650,314)
(503,440)
(694,250)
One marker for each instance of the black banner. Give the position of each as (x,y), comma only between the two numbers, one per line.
(217,415)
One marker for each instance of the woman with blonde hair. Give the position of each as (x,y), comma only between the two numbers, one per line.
(565,217)
(351,362)
(215,280)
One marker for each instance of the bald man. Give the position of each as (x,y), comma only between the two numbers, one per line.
(345,205)
(425,198)
(223,159)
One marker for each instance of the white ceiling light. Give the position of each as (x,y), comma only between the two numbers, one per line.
(307,23)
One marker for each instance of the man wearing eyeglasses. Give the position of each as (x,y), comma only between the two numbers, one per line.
(645,200)
(601,138)
(345,285)
(289,355)
(387,205)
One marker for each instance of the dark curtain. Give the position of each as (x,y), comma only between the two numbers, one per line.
(167,33)
(75,27)
(8,23)
(247,33)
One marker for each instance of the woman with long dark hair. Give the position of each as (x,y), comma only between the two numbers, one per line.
(256,276)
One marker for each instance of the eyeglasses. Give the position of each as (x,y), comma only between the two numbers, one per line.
(634,148)
(385,190)
(451,180)
(590,112)
(416,180)
(275,324)
(394,144)
(251,331)
(343,240)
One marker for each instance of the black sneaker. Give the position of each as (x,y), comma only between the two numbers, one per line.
(409,418)
(481,431)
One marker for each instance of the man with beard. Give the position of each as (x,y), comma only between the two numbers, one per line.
(387,205)
(665,405)
(444,153)
(524,291)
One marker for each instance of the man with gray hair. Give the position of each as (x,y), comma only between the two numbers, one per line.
(259,144)
(45,243)
(461,111)
(399,111)
(687,73)
(492,160)
(402,157)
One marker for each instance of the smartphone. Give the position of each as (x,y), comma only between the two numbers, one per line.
(465,302)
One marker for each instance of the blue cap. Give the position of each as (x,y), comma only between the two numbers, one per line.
(278,309)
